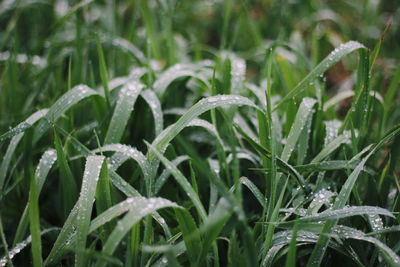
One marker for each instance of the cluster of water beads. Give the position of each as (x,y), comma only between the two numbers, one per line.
(23,58)
(332,130)
(17,249)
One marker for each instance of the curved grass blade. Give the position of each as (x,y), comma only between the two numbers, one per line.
(85,205)
(64,103)
(345,232)
(152,100)
(332,102)
(329,61)
(20,246)
(162,141)
(143,207)
(322,197)
(14,142)
(302,116)
(126,100)
(129,152)
(135,155)
(129,47)
(181,181)
(43,168)
(341,200)
(166,173)
(286,167)
(209,127)
(176,72)
(346,212)
(102,219)
(212,227)
(20,128)
(332,146)
(256,192)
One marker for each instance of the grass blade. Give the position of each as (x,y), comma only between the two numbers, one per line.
(13,145)
(152,100)
(200,107)
(126,100)
(182,181)
(190,233)
(341,200)
(67,181)
(64,103)
(143,207)
(85,204)
(329,61)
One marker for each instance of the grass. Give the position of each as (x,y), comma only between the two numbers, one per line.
(199,133)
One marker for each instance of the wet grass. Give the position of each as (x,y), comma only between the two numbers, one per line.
(199,133)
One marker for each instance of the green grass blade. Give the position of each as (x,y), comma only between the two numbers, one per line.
(342,198)
(291,255)
(162,179)
(178,71)
(331,147)
(143,207)
(103,71)
(200,107)
(5,163)
(34,222)
(182,181)
(346,212)
(302,116)
(256,192)
(85,204)
(190,233)
(152,100)
(67,181)
(64,103)
(42,170)
(103,193)
(324,65)
(286,167)
(126,100)
(213,226)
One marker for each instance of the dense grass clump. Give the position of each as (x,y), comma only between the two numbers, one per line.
(199,133)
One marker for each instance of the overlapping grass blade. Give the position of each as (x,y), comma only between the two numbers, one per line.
(162,141)
(190,233)
(176,72)
(166,173)
(346,212)
(64,103)
(152,100)
(143,207)
(286,167)
(302,117)
(20,246)
(341,200)
(67,181)
(331,147)
(42,170)
(14,142)
(126,100)
(182,181)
